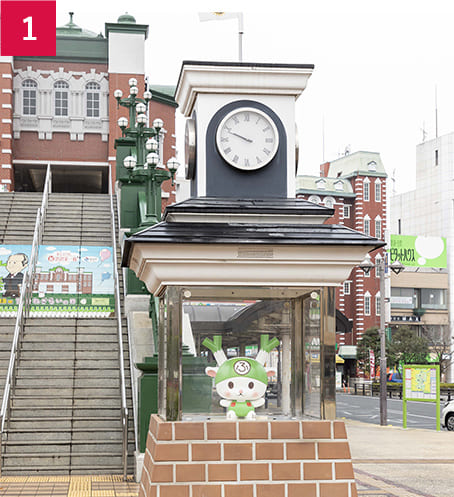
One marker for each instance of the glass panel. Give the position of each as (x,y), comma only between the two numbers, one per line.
(403,298)
(433,298)
(240,371)
(312,379)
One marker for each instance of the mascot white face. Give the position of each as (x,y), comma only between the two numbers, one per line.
(241,389)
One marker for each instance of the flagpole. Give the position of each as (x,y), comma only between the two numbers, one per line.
(240,36)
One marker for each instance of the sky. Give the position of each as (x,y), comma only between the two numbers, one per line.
(382,68)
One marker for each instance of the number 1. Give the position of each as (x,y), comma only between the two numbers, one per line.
(28,21)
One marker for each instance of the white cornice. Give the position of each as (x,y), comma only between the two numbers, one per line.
(161,265)
(229,79)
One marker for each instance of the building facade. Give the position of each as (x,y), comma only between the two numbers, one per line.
(355,187)
(61,110)
(428,211)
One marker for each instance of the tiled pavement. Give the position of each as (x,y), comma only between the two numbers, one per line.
(114,486)
(373,486)
(67,486)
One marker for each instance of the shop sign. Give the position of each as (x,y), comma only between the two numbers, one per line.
(418,251)
(408,319)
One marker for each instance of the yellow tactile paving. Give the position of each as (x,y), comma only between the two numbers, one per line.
(68,486)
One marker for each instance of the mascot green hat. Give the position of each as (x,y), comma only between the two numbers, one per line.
(241,366)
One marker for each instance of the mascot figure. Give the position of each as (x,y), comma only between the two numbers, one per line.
(241,381)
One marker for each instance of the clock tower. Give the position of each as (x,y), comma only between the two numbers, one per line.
(241,137)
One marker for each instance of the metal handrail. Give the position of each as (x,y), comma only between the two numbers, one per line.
(23,308)
(124,407)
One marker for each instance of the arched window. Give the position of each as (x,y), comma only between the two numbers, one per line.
(377,190)
(377,304)
(61,98)
(93,92)
(378,227)
(367,304)
(29,97)
(329,202)
(367,225)
(314,199)
(366,190)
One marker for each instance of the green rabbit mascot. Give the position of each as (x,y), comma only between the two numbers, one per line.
(241,381)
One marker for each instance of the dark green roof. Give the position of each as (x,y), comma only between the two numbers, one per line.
(126,19)
(163,94)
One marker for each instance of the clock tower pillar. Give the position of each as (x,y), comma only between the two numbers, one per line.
(241,135)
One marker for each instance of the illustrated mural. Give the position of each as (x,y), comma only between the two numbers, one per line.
(241,381)
(70,281)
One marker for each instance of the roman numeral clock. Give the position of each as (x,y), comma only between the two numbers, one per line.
(240,139)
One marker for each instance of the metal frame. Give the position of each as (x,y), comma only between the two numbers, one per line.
(170,343)
(23,309)
(124,406)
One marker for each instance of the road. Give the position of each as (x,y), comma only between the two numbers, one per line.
(367,409)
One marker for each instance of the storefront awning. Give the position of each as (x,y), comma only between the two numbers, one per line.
(347,351)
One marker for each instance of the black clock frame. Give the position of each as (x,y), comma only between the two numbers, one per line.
(223,180)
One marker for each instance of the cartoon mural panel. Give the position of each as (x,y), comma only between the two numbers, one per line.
(70,281)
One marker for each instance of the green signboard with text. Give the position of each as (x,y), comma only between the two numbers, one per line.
(418,251)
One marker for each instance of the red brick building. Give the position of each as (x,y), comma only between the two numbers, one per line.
(62,109)
(355,186)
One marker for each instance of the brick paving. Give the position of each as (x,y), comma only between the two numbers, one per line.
(68,486)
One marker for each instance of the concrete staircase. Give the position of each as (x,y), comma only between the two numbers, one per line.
(18,215)
(17,223)
(66,407)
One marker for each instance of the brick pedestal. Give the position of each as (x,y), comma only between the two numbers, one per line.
(247,459)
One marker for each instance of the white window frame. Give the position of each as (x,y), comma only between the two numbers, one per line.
(329,200)
(315,199)
(366,190)
(377,190)
(321,184)
(339,185)
(61,97)
(366,225)
(92,96)
(29,95)
(347,211)
(378,227)
(377,304)
(347,287)
(367,302)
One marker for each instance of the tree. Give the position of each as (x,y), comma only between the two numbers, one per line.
(407,347)
(439,348)
(370,341)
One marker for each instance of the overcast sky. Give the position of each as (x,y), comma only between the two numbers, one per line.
(377,64)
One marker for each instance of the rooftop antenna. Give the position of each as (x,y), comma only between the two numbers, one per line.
(436,113)
(323,139)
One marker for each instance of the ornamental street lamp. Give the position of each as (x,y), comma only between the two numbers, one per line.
(143,163)
(381,267)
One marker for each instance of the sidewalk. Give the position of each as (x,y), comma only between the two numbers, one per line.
(388,462)
(392,462)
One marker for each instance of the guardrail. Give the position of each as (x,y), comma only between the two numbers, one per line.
(124,407)
(23,308)
(393,390)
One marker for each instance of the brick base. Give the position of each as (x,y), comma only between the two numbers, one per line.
(247,459)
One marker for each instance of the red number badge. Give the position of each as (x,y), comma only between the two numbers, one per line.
(28,28)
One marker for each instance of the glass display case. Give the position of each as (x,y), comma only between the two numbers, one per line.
(289,331)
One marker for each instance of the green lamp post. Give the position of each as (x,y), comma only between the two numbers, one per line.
(144,170)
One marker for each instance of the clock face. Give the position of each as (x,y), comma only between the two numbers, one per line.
(247,138)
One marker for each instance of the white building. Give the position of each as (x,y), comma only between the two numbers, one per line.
(429,209)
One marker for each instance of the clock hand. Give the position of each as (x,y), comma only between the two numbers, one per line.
(242,137)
